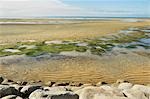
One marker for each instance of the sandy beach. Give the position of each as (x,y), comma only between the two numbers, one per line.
(76,29)
(77,67)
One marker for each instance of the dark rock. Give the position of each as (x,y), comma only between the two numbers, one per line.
(27,90)
(76,84)
(65,96)
(61,84)
(10,80)
(16,86)
(1,79)
(7,90)
(121,81)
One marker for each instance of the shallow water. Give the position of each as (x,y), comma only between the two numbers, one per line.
(145,40)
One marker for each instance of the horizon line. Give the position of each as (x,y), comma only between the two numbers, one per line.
(46,17)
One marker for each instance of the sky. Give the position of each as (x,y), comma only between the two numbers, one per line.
(96,8)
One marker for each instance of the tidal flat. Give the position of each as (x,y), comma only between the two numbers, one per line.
(75,50)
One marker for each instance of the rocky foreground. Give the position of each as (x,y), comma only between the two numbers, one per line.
(52,90)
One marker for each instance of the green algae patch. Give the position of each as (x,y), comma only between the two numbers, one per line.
(123,38)
(81,49)
(97,51)
(97,46)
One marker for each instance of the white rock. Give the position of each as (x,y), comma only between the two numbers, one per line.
(38,94)
(93,92)
(102,96)
(101,83)
(142,88)
(41,94)
(106,87)
(74,88)
(11,97)
(59,88)
(123,86)
(134,94)
(121,81)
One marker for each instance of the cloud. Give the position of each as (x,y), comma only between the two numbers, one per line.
(29,8)
(40,8)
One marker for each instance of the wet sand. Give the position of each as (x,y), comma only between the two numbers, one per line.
(134,67)
(12,33)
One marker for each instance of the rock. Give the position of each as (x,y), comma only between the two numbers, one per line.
(12,97)
(38,94)
(102,96)
(27,90)
(134,94)
(124,86)
(58,88)
(86,85)
(106,87)
(75,84)
(1,79)
(92,92)
(142,88)
(41,94)
(73,88)
(121,81)
(16,86)
(101,83)
(7,90)
(32,82)
(50,83)
(61,84)
(38,81)
(64,90)
(22,83)
(64,95)
(8,82)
